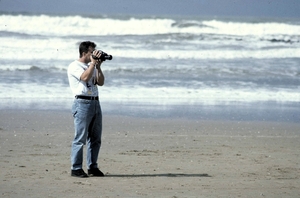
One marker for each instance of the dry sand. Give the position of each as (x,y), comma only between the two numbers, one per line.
(150,157)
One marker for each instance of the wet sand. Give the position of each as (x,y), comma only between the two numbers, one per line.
(150,157)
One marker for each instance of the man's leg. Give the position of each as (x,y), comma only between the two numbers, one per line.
(94,144)
(94,139)
(81,116)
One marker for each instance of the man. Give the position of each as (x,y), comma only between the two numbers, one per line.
(84,75)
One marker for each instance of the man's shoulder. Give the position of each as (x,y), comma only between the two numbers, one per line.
(75,65)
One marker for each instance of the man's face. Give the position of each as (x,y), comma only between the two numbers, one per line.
(88,54)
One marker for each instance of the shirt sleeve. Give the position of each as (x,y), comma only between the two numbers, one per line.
(76,71)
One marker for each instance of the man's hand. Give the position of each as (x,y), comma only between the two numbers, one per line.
(97,62)
(96,53)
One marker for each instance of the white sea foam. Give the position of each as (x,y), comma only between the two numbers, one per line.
(77,25)
(60,49)
(255,29)
(211,39)
(160,95)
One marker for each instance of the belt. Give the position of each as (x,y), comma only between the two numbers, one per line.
(87,97)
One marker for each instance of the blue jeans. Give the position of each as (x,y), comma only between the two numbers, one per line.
(88,129)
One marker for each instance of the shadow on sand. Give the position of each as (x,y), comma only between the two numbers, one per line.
(160,175)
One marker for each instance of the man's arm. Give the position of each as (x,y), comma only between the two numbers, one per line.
(99,75)
(87,74)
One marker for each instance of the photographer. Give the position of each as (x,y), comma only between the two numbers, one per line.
(84,75)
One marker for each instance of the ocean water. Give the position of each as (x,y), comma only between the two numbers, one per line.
(157,61)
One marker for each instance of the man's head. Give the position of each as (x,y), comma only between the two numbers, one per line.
(85,50)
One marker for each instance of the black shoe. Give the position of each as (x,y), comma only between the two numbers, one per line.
(79,173)
(95,172)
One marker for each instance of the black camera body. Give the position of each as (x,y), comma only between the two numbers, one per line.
(104,56)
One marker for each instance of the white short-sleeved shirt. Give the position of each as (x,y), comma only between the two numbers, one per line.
(79,87)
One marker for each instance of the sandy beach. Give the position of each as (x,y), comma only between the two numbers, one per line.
(150,157)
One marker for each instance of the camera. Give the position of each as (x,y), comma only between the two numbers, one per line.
(104,56)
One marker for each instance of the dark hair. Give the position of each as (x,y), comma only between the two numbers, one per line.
(84,47)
